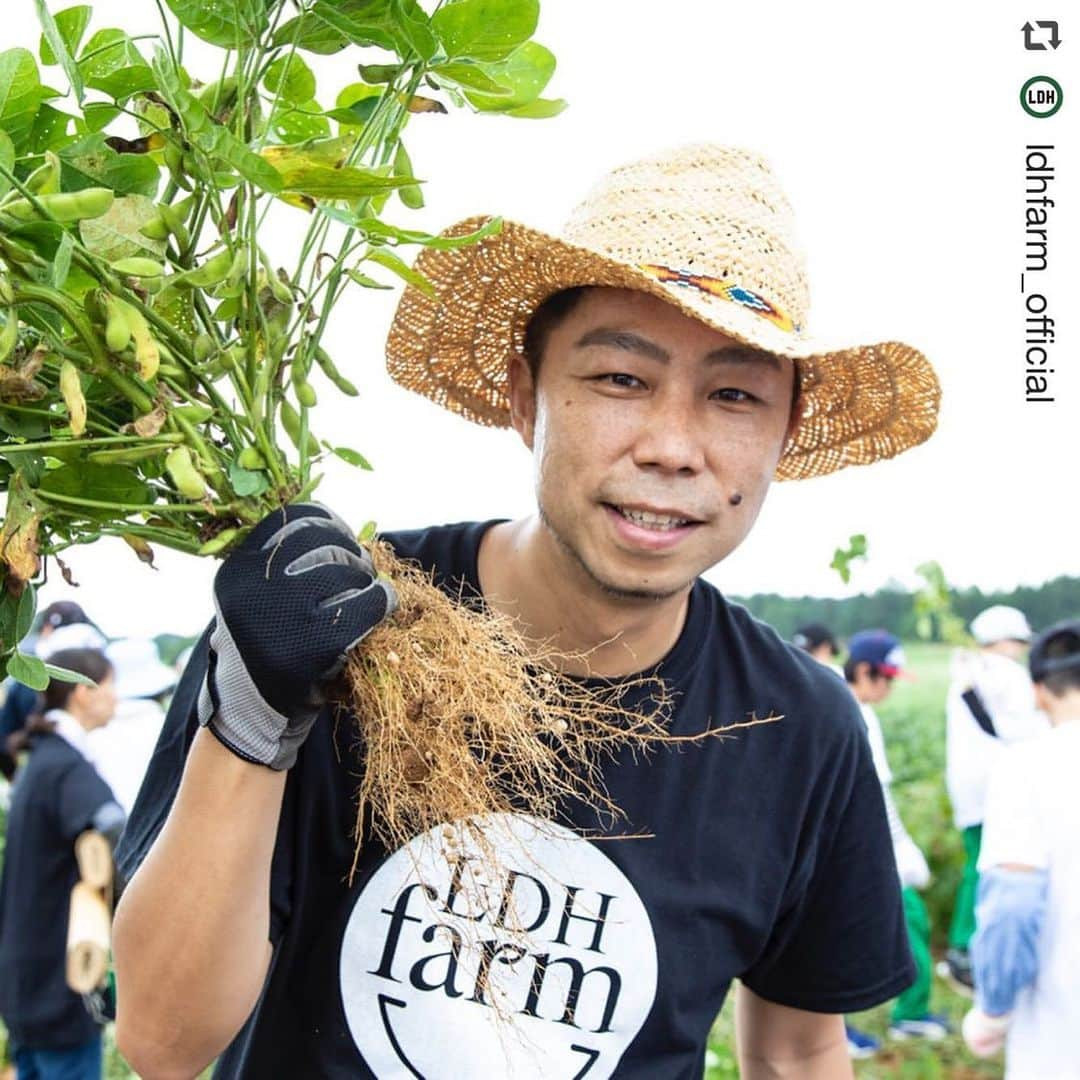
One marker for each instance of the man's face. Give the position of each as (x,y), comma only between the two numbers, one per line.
(640,410)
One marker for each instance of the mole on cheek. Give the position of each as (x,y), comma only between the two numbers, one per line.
(568,403)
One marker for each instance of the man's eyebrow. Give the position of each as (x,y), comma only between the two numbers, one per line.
(743,354)
(625,340)
(628,341)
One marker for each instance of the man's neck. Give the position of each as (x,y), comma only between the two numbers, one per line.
(526,574)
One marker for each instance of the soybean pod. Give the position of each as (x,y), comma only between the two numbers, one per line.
(63,206)
(72,393)
(184,475)
(329,369)
(290,421)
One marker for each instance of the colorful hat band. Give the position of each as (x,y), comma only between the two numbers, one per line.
(725,290)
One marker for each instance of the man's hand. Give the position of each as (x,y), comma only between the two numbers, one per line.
(291,602)
(984,1034)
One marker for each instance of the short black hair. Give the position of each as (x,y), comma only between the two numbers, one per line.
(91,663)
(1054,659)
(557,307)
(851,665)
(545,319)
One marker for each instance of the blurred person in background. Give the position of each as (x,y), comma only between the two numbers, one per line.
(20,701)
(1026,947)
(122,750)
(819,641)
(57,796)
(990,703)
(875,659)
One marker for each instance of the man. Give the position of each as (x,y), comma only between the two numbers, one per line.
(817,640)
(647,360)
(1027,941)
(989,705)
(875,659)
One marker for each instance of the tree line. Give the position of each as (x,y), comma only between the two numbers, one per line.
(893,607)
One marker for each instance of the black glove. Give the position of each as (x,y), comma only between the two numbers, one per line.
(291,601)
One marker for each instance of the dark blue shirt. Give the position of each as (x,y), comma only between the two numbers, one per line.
(763,856)
(54,799)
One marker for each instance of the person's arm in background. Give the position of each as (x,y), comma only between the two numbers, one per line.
(776,1041)
(1004,950)
(192,929)
(1011,905)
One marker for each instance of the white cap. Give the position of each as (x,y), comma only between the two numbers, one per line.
(1000,623)
(79,635)
(139,670)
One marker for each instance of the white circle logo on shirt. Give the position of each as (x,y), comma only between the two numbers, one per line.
(550,971)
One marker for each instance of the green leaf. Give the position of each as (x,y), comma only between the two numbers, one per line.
(398,266)
(212,138)
(310,34)
(367,532)
(230,24)
(67,675)
(24,616)
(485,29)
(248,482)
(97,115)
(526,72)
(61,266)
(103,483)
(353,457)
(291,79)
(367,282)
(355,104)
(28,670)
(410,196)
(23,425)
(115,235)
(355,115)
(299,124)
(21,93)
(380,230)
(111,63)
(7,162)
(540,109)
(308,171)
(414,29)
(59,47)
(345,182)
(90,162)
(50,130)
(71,24)
(361,22)
(470,76)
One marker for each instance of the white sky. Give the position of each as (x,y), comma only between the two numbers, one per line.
(897,132)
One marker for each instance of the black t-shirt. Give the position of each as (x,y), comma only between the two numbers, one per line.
(53,800)
(766,857)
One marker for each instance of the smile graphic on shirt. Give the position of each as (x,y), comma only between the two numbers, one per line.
(550,971)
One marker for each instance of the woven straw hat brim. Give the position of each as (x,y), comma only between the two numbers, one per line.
(860,404)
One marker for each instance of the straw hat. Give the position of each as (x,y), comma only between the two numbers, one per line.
(706,228)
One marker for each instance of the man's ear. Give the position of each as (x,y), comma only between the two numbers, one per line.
(522,399)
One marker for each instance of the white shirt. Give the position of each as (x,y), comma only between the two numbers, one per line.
(121,750)
(970,753)
(70,730)
(910,861)
(1033,819)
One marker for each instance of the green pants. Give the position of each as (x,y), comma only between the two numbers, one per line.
(963,919)
(914,1002)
